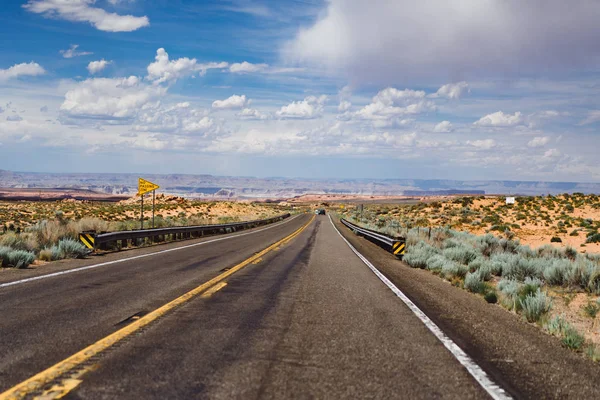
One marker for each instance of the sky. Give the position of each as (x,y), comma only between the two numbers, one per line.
(428,89)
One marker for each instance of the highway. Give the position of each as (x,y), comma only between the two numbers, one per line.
(284,311)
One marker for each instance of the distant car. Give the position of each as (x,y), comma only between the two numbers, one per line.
(320,211)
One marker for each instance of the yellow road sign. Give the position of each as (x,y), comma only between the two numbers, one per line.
(145,186)
(399,248)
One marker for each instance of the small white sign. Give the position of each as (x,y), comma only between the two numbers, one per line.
(510,200)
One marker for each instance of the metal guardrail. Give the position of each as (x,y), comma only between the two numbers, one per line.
(102,240)
(396,246)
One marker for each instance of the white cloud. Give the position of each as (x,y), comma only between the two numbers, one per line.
(444,38)
(83,11)
(178,119)
(108,98)
(552,154)
(500,119)
(72,52)
(165,70)
(309,108)
(23,69)
(390,103)
(539,141)
(97,66)
(345,105)
(453,90)
(246,67)
(251,113)
(592,118)
(231,102)
(14,118)
(443,127)
(483,144)
(44,109)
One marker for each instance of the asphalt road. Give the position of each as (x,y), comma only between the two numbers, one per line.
(306,320)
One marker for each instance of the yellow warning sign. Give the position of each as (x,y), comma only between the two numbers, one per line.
(145,186)
(87,239)
(399,248)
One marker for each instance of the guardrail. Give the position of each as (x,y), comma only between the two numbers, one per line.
(396,246)
(103,241)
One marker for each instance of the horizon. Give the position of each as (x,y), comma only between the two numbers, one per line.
(240,88)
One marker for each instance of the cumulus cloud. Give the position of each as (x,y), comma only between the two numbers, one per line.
(23,69)
(309,108)
(233,102)
(96,66)
(108,98)
(165,70)
(246,67)
(443,127)
(391,102)
(500,119)
(83,11)
(251,113)
(344,106)
(552,154)
(72,52)
(181,119)
(453,90)
(448,37)
(485,144)
(539,141)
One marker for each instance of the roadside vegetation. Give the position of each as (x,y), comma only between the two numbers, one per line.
(554,286)
(48,231)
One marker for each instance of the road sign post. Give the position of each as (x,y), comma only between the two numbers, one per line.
(144,187)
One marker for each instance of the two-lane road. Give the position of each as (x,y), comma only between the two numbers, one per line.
(307,319)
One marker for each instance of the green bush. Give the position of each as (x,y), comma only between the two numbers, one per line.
(535,305)
(69,248)
(474,283)
(572,339)
(15,258)
(555,239)
(491,297)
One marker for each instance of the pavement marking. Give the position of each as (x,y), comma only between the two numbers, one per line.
(75,365)
(214,289)
(70,271)
(493,389)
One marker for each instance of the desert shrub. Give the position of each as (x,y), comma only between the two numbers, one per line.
(46,255)
(510,291)
(491,297)
(416,256)
(14,241)
(15,258)
(436,262)
(591,309)
(487,244)
(593,238)
(474,283)
(594,282)
(557,271)
(535,305)
(557,326)
(452,269)
(533,282)
(501,261)
(519,268)
(461,254)
(555,239)
(572,339)
(68,248)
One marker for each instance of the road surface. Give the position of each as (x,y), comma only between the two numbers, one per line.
(306,318)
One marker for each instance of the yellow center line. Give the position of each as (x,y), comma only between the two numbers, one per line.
(37,382)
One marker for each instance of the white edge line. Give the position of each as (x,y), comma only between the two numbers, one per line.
(495,391)
(70,271)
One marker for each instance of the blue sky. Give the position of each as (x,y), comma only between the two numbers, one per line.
(455,89)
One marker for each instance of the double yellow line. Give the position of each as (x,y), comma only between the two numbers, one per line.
(71,369)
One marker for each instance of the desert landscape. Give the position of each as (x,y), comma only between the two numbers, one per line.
(537,257)
(35,232)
